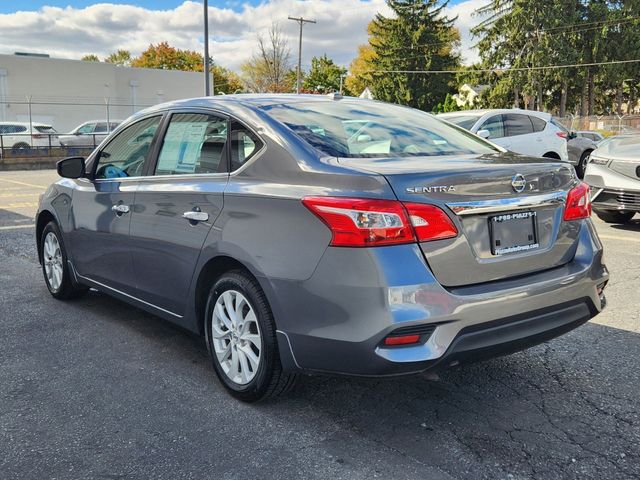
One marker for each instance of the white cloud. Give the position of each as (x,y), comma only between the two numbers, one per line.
(103,28)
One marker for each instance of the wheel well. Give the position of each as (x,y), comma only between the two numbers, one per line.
(551,155)
(212,270)
(586,153)
(44,218)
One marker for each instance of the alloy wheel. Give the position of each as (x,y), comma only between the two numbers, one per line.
(52,258)
(237,341)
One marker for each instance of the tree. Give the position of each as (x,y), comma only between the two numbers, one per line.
(324,75)
(226,81)
(166,57)
(269,70)
(121,58)
(419,36)
(90,58)
(360,76)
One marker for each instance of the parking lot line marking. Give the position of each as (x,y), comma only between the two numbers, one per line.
(22,183)
(9,195)
(16,227)
(19,205)
(624,239)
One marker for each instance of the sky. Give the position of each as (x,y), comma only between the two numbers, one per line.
(73,28)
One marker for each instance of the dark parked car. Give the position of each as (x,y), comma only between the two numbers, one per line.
(294,245)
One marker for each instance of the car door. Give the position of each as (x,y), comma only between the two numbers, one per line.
(497,134)
(101,213)
(520,134)
(176,205)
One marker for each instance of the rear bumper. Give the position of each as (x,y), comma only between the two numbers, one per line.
(336,321)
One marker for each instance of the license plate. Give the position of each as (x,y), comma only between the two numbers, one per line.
(513,232)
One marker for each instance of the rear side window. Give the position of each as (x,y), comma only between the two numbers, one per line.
(495,126)
(517,124)
(244,145)
(45,129)
(538,124)
(194,143)
(101,127)
(126,154)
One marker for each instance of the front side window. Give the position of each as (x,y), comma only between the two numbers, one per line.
(126,154)
(517,124)
(495,126)
(369,129)
(465,121)
(194,143)
(86,129)
(101,127)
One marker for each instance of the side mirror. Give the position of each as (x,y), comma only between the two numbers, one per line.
(484,133)
(572,135)
(72,167)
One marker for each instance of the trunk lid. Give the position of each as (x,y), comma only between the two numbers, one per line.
(502,232)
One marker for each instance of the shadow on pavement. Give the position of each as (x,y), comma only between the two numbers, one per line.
(567,408)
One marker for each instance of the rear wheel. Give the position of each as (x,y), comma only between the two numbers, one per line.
(241,338)
(615,217)
(19,147)
(54,265)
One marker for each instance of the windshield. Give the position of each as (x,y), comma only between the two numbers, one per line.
(464,121)
(370,129)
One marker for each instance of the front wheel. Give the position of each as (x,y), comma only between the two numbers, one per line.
(54,265)
(241,338)
(582,164)
(615,217)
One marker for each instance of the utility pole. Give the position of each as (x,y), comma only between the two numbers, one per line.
(207,87)
(301,21)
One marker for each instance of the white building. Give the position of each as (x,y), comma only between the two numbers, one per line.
(469,95)
(65,93)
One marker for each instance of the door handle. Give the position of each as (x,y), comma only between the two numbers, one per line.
(196,216)
(120,209)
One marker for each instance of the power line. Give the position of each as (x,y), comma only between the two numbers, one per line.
(300,21)
(506,69)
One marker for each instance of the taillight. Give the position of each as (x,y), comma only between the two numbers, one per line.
(430,222)
(578,203)
(562,134)
(361,222)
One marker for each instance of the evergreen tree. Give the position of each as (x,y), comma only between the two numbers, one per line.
(323,76)
(419,36)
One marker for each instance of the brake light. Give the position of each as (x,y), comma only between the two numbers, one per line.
(578,204)
(361,222)
(562,134)
(430,222)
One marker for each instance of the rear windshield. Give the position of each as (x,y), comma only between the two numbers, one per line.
(44,129)
(464,121)
(370,129)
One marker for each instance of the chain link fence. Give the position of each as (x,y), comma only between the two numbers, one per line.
(607,125)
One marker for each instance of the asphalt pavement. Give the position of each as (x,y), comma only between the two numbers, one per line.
(95,388)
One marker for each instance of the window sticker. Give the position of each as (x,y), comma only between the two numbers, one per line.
(181,148)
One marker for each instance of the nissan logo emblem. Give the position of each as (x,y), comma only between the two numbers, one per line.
(518,182)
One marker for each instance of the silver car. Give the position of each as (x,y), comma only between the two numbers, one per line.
(613,173)
(89,134)
(292,245)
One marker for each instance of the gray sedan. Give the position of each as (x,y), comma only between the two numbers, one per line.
(614,175)
(294,246)
(89,134)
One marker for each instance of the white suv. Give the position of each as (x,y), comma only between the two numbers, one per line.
(521,131)
(16,136)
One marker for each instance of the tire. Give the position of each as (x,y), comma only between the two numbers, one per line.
(20,146)
(615,217)
(55,267)
(582,164)
(233,339)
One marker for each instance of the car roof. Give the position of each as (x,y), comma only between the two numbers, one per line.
(250,100)
(481,112)
(26,124)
